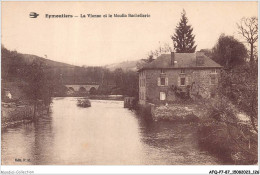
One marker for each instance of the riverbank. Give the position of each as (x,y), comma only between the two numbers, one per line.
(178,112)
(228,133)
(15,113)
(221,131)
(97,97)
(106,97)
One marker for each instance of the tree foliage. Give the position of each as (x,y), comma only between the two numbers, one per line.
(233,125)
(183,39)
(240,86)
(229,52)
(40,84)
(12,66)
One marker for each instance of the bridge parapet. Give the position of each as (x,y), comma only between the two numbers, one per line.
(82,87)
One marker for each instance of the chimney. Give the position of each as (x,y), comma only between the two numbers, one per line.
(172,58)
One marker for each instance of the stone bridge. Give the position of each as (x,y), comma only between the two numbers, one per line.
(82,88)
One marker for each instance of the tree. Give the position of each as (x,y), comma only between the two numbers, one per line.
(248,28)
(183,39)
(149,59)
(39,86)
(207,52)
(152,55)
(240,86)
(229,52)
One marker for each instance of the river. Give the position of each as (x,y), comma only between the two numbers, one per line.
(104,134)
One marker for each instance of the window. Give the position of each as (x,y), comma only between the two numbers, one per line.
(162,96)
(182,71)
(162,81)
(182,81)
(213,80)
(162,71)
(214,71)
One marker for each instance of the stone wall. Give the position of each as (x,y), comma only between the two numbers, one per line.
(202,84)
(176,112)
(179,112)
(197,79)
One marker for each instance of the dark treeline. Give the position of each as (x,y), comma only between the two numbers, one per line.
(35,82)
(40,79)
(118,82)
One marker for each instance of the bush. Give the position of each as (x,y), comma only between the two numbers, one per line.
(224,135)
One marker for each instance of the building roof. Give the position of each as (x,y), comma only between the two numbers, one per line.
(182,60)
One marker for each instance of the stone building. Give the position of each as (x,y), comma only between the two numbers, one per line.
(171,76)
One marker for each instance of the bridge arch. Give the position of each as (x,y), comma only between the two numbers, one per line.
(82,89)
(92,90)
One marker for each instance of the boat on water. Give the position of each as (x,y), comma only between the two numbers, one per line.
(83,103)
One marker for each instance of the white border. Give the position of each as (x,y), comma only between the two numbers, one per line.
(148,169)
(124,169)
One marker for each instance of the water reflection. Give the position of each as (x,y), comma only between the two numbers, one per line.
(104,134)
(173,144)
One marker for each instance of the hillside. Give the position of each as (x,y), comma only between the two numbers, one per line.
(50,63)
(17,66)
(125,65)
(12,61)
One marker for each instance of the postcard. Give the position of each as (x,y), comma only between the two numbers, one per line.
(130,83)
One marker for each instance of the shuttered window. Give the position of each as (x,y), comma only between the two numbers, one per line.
(162,81)
(166,81)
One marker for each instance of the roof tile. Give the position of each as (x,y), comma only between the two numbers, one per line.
(184,60)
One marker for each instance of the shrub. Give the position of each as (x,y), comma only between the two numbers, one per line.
(226,136)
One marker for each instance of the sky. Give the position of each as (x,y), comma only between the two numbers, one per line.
(101,41)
